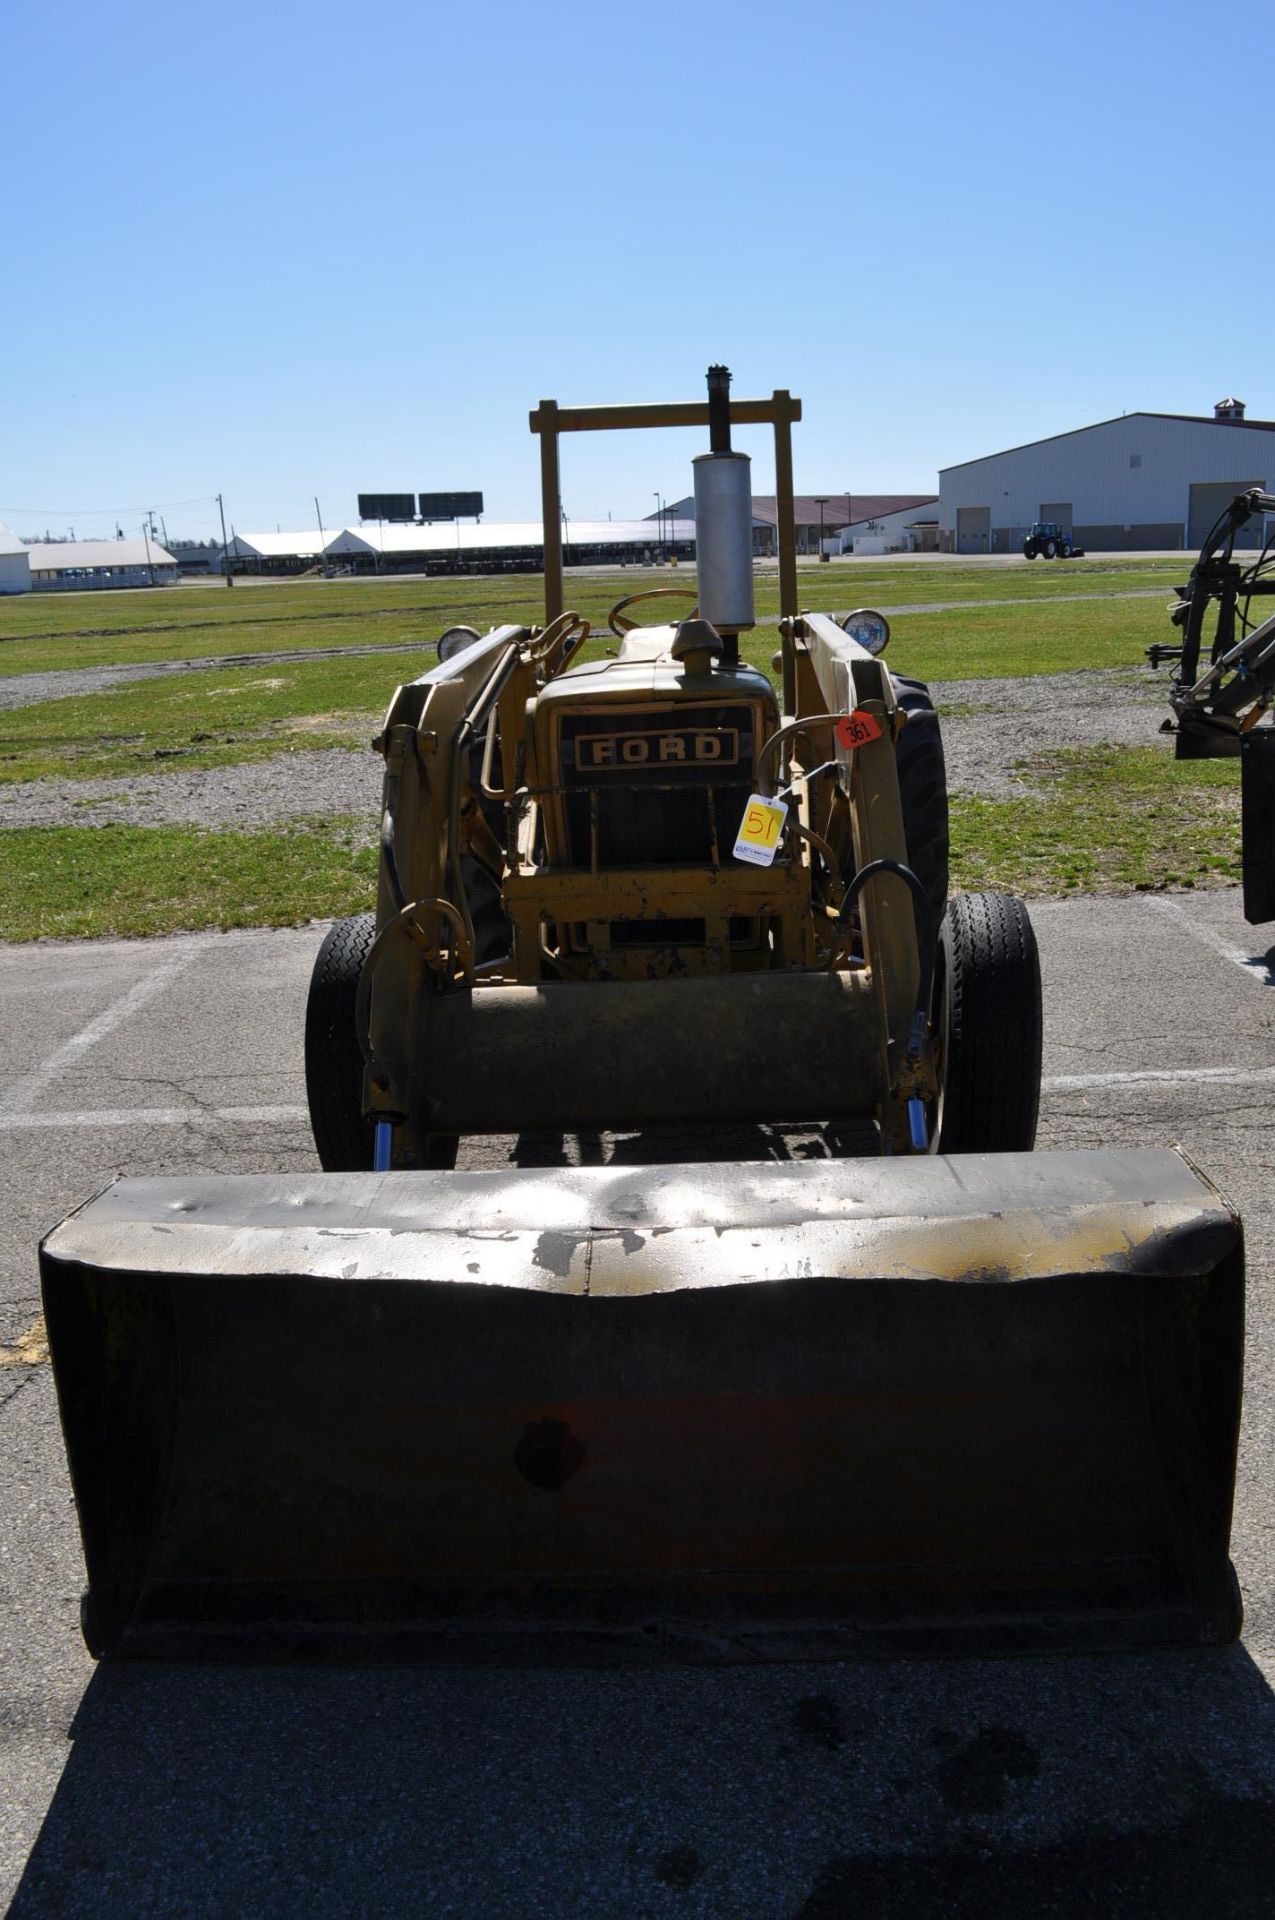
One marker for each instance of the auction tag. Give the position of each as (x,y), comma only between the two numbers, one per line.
(759,830)
(857,729)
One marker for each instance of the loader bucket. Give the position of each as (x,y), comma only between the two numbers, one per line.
(609,1413)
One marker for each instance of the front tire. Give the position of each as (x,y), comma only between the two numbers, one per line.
(333,1058)
(344,1139)
(988,1026)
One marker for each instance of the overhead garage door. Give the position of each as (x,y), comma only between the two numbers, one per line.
(1058,511)
(1207,502)
(973,529)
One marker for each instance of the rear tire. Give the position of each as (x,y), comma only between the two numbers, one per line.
(987,1016)
(923,792)
(1051,550)
(333,1058)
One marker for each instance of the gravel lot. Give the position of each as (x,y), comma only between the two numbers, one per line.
(988,727)
(331,780)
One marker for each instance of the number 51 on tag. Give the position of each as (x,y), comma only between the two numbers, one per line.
(759,830)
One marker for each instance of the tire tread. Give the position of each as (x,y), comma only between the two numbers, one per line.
(991,1093)
(333,1059)
(923,792)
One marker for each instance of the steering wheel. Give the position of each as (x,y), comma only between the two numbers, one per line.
(620,626)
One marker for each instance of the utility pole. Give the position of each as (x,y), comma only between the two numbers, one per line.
(821,501)
(150,563)
(225,550)
(323,557)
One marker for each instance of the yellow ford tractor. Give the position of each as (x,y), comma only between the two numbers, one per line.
(634,889)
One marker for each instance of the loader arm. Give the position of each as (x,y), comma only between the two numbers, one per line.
(1218,709)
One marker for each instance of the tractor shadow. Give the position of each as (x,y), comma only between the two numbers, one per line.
(1087,1786)
(1263,966)
(674,1146)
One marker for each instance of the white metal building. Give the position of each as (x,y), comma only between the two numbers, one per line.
(15,563)
(514,546)
(69,566)
(452,546)
(277,552)
(1144,481)
(908,529)
(838,518)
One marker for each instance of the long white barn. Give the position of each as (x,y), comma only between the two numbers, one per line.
(70,566)
(459,546)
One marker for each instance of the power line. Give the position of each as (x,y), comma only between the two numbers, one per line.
(94,513)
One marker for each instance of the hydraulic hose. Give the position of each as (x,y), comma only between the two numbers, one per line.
(926,938)
(390,861)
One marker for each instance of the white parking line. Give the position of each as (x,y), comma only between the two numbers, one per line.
(147,1117)
(1253,964)
(152,1117)
(143,990)
(1158,1076)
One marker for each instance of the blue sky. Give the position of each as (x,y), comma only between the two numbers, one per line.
(285,250)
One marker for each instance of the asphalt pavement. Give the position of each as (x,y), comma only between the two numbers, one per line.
(1095,1785)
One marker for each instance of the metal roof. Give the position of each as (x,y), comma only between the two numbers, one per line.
(279,546)
(684,509)
(841,509)
(1139,413)
(9,541)
(498,536)
(58,555)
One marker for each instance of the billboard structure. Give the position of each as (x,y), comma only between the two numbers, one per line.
(451,506)
(387,506)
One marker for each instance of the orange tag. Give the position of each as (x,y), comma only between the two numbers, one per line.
(857,729)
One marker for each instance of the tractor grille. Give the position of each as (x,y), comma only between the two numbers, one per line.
(656,788)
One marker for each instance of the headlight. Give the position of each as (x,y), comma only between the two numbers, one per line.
(869,628)
(455,640)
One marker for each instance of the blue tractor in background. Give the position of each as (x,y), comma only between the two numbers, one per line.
(1047,540)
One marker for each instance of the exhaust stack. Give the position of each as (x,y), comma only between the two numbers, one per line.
(724,521)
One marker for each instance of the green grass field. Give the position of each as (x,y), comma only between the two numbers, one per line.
(228,715)
(76,883)
(50,631)
(194,720)
(1110,819)
(1105,819)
